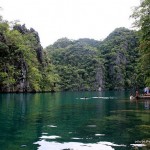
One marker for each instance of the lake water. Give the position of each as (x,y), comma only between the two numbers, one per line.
(69,121)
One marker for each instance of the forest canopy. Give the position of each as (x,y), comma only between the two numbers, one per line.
(120,61)
(141,15)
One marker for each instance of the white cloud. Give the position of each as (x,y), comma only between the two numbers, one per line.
(54,19)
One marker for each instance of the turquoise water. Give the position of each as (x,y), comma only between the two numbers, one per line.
(69,121)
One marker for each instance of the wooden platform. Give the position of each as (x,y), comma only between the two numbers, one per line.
(144,97)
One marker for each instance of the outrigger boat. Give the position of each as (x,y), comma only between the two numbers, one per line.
(144,97)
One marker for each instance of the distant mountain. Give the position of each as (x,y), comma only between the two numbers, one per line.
(120,51)
(87,64)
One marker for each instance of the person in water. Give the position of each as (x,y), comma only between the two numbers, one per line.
(132,97)
(136,94)
(146,91)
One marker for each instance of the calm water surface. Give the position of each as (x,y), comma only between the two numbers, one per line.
(68,121)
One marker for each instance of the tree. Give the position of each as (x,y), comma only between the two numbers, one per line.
(141,15)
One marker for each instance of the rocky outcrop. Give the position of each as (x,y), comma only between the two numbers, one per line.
(100,78)
(118,49)
(83,64)
(23,84)
(36,43)
(38,48)
(14,68)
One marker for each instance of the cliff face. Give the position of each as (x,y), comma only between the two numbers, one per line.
(36,43)
(83,64)
(121,55)
(78,64)
(14,58)
(87,64)
(100,78)
(23,83)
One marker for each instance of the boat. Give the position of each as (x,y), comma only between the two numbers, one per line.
(144,97)
(140,97)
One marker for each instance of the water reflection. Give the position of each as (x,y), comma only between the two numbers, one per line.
(45,145)
(105,120)
(143,102)
(147,104)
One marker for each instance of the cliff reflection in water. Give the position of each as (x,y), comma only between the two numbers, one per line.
(63,120)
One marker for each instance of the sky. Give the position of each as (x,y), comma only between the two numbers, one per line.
(73,19)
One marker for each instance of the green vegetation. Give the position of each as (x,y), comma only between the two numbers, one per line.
(24,66)
(142,21)
(120,61)
(87,64)
(121,54)
(77,62)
